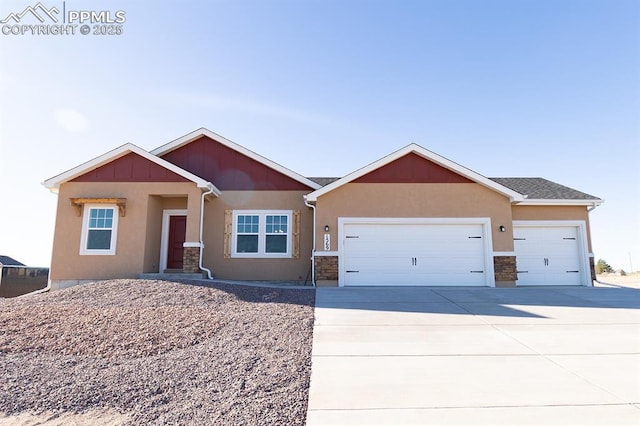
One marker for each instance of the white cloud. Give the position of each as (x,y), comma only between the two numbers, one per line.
(71,120)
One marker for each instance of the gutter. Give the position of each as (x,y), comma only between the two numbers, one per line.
(313,249)
(204,194)
(593,207)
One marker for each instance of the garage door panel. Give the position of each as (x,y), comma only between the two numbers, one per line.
(413,254)
(411,279)
(547,255)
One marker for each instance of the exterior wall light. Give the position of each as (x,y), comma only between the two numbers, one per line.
(502,228)
(326,228)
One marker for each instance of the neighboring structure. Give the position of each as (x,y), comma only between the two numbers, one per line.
(17,279)
(413,217)
(9,261)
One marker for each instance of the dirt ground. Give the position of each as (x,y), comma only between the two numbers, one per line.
(90,418)
(126,352)
(615,280)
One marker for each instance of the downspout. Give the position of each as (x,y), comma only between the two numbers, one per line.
(592,208)
(313,249)
(589,210)
(204,194)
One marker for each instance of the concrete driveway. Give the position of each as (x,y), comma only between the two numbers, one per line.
(432,356)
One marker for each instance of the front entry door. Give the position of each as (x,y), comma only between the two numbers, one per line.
(177,236)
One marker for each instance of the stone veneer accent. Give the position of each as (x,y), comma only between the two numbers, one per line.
(505,271)
(326,268)
(191,260)
(592,264)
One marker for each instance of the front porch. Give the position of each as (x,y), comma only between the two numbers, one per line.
(173,246)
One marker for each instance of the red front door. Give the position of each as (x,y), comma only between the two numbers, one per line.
(177,235)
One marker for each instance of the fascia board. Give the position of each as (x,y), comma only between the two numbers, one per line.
(55,182)
(181,141)
(425,153)
(563,202)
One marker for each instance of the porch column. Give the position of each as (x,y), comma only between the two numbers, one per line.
(191,256)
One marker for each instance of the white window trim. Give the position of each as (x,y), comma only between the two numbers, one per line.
(85,230)
(262,234)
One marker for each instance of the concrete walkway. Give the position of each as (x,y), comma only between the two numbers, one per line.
(472,356)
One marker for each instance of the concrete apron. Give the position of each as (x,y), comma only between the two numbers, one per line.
(415,356)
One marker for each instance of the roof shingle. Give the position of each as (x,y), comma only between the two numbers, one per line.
(323,181)
(542,189)
(9,261)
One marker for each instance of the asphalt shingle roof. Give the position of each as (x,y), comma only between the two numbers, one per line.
(9,261)
(323,181)
(542,189)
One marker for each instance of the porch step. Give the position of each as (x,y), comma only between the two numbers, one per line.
(173,276)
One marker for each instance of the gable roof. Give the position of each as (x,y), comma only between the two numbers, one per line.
(431,156)
(196,134)
(54,183)
(538,190)
(9,261)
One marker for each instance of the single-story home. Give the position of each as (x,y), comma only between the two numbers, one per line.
(203,203)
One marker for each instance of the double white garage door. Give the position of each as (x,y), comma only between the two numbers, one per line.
(420,254)
(455,254)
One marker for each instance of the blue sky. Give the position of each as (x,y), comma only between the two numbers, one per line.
(506,88)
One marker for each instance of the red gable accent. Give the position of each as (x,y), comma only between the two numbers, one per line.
(130,168)
(228,169)
(412,168)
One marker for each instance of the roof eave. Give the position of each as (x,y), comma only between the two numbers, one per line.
(53,184)
(429,155)
(189,137)
(560,202)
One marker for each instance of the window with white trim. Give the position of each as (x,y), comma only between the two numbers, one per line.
(261,233)
(99,230)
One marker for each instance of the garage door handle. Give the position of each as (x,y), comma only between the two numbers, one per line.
(352,236)
(477,272)
(352,271)
(522,272)
(572,272)
(476,237)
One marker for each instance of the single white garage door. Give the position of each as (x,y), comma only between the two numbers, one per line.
(413,254)
(547,256)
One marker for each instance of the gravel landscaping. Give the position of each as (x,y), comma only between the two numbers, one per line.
(158,352)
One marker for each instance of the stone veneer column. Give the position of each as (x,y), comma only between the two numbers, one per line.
(592,264)
(505,270)
(326,270)
(191,260)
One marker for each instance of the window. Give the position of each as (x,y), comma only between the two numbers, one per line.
(262,234)
(99,230)
(248,230)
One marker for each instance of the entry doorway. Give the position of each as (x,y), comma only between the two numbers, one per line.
(174,231)
(177,235)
